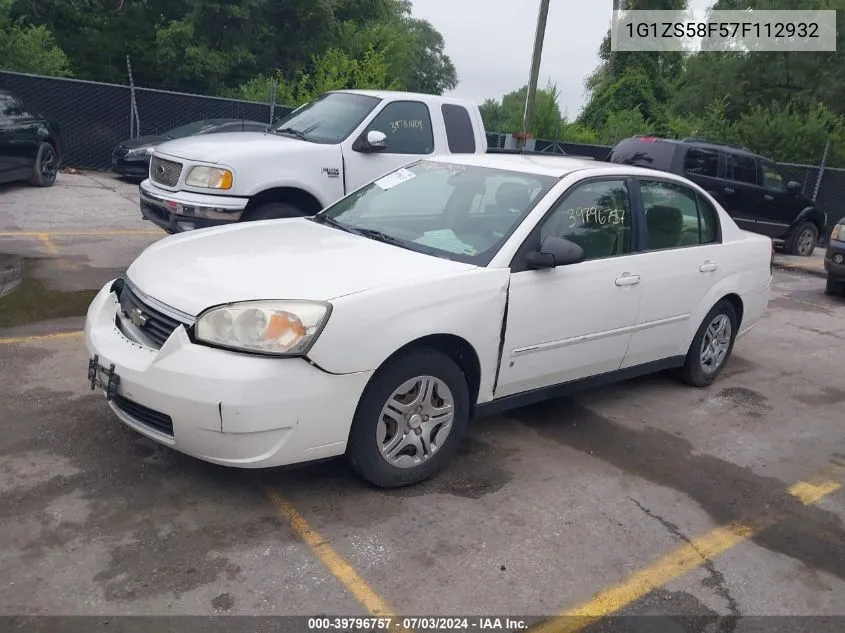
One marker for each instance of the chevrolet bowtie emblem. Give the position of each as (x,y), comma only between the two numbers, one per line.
(137,317)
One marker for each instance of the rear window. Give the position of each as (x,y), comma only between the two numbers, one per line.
(458,129)
(742,168)
(644,153)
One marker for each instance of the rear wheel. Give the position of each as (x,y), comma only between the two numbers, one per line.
(410,420)
(46,166)
(835,287)
(803,240)
(712,346)
(275,211)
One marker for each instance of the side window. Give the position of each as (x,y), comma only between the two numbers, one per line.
(742,168)
(594,215)
(459,130)
(407,125)
(676,216)
(9,108)
(702,162)
(772,178)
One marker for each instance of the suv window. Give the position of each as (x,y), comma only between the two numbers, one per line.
(9,107)
(596,216)
(702,162)
(647,152)
(772,177)
(407,125)
(676,216)
(742,168)
(459,129)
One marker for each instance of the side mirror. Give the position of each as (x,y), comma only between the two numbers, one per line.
(794,188)
(371,143)
(554,252)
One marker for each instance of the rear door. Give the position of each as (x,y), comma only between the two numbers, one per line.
(679,265)
(777,208)
(740,189)
(701,165)
(16,146)
(410,136)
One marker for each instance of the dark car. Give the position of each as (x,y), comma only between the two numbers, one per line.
(757,194)
(834,260)
(30,145)
(132,157)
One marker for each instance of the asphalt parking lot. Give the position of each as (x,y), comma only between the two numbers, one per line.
(647,497)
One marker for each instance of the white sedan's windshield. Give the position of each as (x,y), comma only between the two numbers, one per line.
(454,211)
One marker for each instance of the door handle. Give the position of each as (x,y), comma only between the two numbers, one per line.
(708,267)
(768,198)
(729,191)
(628,280)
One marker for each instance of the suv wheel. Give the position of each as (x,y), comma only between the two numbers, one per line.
(835,287)
(803,240)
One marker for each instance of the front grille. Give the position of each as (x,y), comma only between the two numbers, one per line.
(144,415)
(120,152)
(165,172)
(156,325)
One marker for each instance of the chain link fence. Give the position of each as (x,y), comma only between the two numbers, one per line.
(93,117)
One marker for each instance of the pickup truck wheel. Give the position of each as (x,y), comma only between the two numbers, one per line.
(274,211)
(409,420)
(803,240)
(711,347)
(46,166)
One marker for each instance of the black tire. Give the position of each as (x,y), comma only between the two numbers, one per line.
(835,287)
(274,211)
(46,166)
(363,451)
(805,233)
(693,372)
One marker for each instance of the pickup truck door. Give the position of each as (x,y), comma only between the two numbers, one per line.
(410,136)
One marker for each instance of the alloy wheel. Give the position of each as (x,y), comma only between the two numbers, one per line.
(716,344)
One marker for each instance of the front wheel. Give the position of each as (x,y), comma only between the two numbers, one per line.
(410,420)
(46,166)
(274,211)
(803,240)
(835,287)
(712,346)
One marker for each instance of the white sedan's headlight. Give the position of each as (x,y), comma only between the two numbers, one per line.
(282,328)
(209,177)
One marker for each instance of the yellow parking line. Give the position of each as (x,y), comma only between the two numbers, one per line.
(41,337)
(683,560)
(50,234)
(48,243)
(333,561)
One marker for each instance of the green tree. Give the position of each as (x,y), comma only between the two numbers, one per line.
(27,48)
(506,115)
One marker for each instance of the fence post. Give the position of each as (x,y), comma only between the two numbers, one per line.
(821,169)
(273,101)
(131,99)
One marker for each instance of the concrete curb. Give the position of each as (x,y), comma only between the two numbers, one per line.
(793,268)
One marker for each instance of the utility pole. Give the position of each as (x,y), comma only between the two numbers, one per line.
(613,24)
(535,71)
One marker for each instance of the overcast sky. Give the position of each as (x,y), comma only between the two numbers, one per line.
(490,42)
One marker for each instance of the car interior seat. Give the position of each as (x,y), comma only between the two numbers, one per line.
(665,226)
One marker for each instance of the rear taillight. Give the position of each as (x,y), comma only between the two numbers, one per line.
(648,139)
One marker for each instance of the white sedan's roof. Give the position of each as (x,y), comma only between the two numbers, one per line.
(557,166)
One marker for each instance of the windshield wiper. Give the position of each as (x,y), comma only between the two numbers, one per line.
(328,221)
(293,132)
(382,237)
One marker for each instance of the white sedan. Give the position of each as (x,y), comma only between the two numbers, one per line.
(454,287)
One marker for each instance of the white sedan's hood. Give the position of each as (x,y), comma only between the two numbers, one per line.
(274,259)
(228,147)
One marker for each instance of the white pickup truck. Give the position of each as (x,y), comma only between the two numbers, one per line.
(317,154)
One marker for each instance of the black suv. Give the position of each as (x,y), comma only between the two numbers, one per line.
(30,147)
(751,188)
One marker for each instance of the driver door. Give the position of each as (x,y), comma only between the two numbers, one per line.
(407,126)
(574,321)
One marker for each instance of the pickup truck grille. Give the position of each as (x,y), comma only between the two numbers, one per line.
(165,172)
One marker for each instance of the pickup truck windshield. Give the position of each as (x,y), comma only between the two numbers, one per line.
(459,212)
(328,119)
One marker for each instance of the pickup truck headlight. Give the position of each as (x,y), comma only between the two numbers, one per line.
(838,232)
(279,328)
(209,177)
